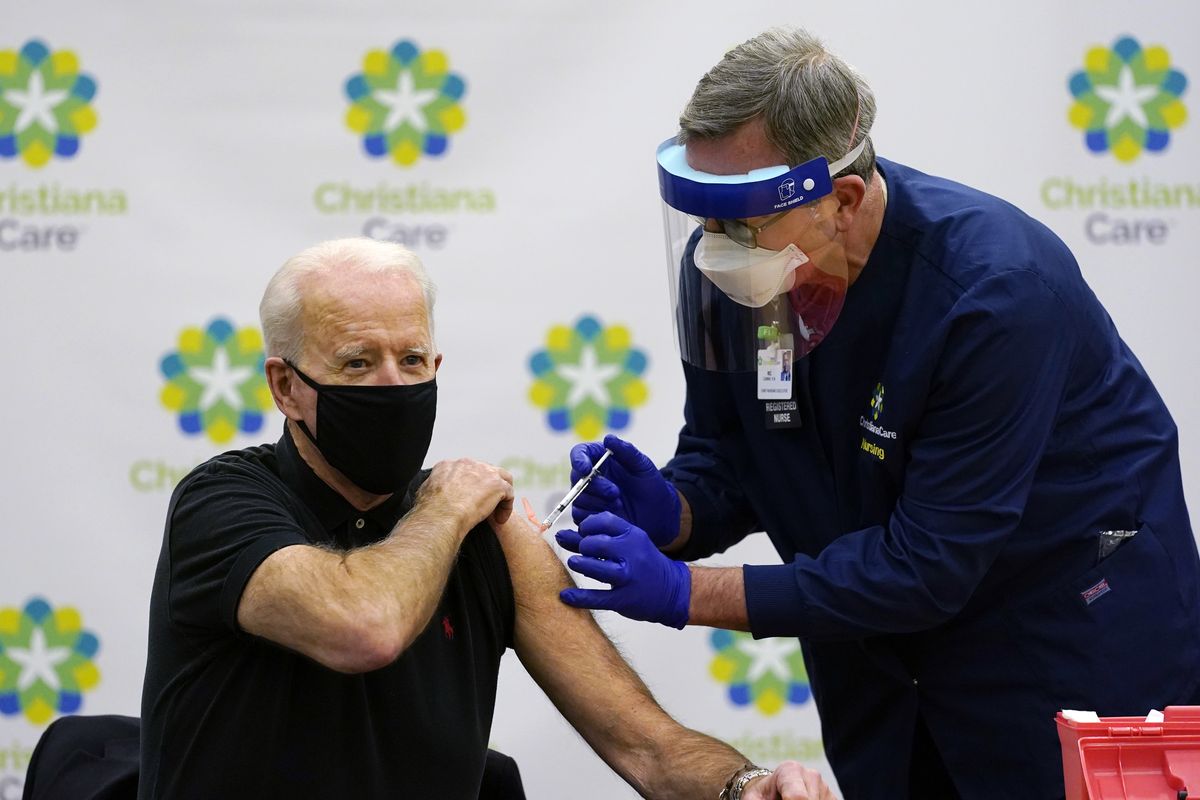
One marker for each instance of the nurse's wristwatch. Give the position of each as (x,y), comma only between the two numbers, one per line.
(738,780)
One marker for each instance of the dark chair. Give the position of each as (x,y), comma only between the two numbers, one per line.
(501,778)
(85,758)
(96,758)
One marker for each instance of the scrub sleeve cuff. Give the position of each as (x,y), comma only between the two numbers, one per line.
(774,603)
(703,540)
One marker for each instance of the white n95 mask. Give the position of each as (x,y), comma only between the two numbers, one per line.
(751,277)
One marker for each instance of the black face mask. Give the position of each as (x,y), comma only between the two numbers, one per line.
(377,436)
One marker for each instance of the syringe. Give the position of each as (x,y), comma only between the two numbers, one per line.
(576,490)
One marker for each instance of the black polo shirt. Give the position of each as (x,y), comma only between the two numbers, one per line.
(229,715)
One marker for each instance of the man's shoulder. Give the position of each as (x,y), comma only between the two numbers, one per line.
(250,465)
(261,457)
(231,488)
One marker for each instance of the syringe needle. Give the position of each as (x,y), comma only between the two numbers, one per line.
(575,491)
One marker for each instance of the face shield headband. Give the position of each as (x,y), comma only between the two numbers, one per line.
(757,193)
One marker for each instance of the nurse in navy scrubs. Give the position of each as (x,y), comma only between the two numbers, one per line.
(972,483)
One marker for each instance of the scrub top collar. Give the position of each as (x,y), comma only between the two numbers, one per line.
(880,251)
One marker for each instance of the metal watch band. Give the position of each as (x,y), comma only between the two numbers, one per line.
(733,789)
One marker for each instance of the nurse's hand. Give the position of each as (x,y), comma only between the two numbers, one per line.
(629,485)
(646,584)
(789,781)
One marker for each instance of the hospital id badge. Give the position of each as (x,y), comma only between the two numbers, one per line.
(774,374)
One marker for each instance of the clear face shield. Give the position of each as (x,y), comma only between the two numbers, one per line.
(736,302)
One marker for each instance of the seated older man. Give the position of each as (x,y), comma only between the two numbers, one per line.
(327,620)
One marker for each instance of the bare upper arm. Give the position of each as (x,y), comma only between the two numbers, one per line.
(571,658)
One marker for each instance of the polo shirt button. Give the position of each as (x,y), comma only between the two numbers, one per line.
(359,523)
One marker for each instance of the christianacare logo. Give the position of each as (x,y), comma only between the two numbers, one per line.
(877,402)
(766,673)
(46,661)
(45,104)
(1127,99)
(215,381)
(588,378)
(405,103)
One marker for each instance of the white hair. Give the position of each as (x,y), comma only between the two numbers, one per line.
(282,303)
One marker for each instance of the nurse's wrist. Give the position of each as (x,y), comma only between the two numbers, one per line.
(685,525)
(718,598)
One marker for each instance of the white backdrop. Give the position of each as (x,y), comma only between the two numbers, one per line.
(216,143)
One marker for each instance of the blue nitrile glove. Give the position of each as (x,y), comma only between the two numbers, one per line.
(646,584)
(629,485)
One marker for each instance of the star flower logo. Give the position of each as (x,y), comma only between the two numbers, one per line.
(1127,99)
(768,673)
(45,661)
(877,402)
(44,104)
(215,381)
(588,378)
(405,103)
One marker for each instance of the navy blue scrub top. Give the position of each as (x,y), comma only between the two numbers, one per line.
(941,546)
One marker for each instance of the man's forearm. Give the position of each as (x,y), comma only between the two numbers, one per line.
(691,765)
(718,598)
(599,694)
(357,611)
(353,611)
(409,568)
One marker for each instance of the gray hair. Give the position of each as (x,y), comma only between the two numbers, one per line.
(282,303)
(812,103)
